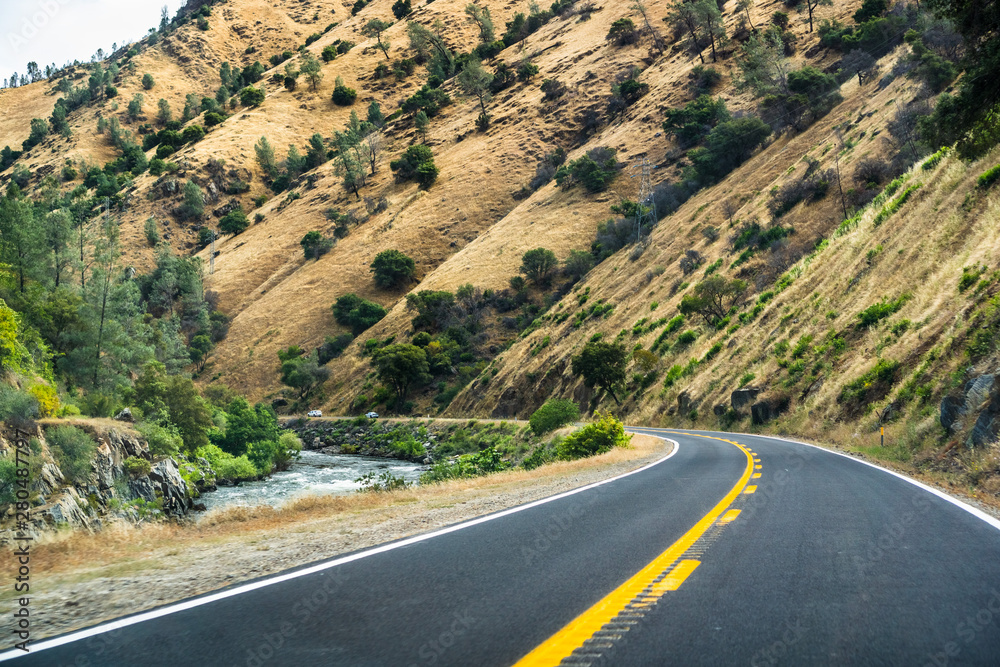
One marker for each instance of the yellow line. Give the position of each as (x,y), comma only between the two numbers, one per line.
(756,475)
(576,632)
(729,516)
(673,581)
(750,489)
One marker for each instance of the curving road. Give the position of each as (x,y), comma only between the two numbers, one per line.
(736,549)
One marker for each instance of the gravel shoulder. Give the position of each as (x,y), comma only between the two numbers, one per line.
(80,580)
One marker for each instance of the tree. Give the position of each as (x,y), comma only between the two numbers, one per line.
(401,8)
(554,413)
(713,298)
(311,69)
(19,238)
(251,97)
(315,245)
(265,157)
(173,400)
(392,268)
(602,365)
(745,6)
(193,205)
(481,17)
(234,222)
(538,264)
(474,80)
(417,164)
(352,311)
(342,95)
(424,41)
(135,106)
(861,63)
(683,17)
(710,19)
(375,28)
(316,153)
(304,373)
(200,348)
(375,116)
(811,6)
(577,264)
(421,123)
(623,32)
(147,81)
(399,367)
(163,113)
(371,147)
(727,146)
(56,232)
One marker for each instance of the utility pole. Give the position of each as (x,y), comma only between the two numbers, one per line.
(645,212)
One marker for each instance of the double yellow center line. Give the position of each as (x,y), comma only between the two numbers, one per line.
(641,591)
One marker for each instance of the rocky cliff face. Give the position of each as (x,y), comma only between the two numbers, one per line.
(109,493)
(973,414)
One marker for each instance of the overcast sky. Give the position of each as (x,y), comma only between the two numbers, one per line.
(57,31)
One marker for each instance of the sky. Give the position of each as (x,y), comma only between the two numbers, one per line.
(57,31)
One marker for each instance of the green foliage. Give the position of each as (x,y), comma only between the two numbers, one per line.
(602,365)
(147,81)
(696,119)
(357,313)
(17,407)
(416,164)
(874,314)
(713,298)
(595,438)
(727,146)
(173,401)
(989,177)
(193,205)
(427,99)
(342,95)
(386,481)
(303,373)
(894,205)
(595,170)
(234,222)
(73,449)
(485,462)
(228,467)
(401,8)
(554,413)
(162,440)
(392,269)
(245,424)
(136,467)
(539,264)
(315,245)
(622,32)
(399,367)
(873,385)
(251,97)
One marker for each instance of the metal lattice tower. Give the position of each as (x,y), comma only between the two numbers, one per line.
(646,212)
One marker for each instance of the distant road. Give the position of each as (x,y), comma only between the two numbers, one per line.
(694,560)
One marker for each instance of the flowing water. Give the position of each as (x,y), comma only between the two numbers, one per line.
(313,474)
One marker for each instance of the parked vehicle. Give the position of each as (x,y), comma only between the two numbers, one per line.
(371,415)
(315,413)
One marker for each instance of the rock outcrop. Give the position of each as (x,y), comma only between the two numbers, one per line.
(109,492)
(975,411)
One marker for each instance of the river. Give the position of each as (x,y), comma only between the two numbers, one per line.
(312,474)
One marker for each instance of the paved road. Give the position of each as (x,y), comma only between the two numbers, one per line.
(819,560)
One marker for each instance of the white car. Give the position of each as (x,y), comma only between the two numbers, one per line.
(314,413)
(371,415)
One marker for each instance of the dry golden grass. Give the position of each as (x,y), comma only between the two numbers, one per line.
(120,546)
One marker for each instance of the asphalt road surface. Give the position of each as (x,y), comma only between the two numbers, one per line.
(735,550)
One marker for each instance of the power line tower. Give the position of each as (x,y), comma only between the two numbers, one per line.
(211,256)
(645,213)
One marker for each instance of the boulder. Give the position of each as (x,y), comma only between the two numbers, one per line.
(765,410)
(742,398)
(125,416)
(685,404)
(987,426)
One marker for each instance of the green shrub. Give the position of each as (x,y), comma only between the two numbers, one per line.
(162,440)
(555,413)
(384,482)
(8,480)
(485,462)
(596,438)
(407,447)
(137,467)
(234,222)
(872,315)
(359,314)
(686,338)
(989,177)
(73,450)
(17,407)
(226,466)
(873,385)
(343,96)
(251,97)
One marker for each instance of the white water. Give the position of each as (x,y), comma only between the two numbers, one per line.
(313,474)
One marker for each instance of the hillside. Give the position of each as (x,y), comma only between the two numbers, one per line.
(794,333)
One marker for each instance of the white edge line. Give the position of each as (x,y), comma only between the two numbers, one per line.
(246,588)
(974,511)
